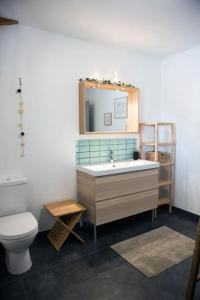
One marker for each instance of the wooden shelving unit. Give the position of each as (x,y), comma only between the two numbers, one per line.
(164,182)
(166,185)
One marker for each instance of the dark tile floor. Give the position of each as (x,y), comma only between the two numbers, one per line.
(97,272)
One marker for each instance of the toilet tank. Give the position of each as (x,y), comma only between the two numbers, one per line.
(13,195)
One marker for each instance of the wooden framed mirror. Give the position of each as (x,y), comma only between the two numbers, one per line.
(107,108)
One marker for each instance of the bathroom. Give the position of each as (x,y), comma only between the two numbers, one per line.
(50,60)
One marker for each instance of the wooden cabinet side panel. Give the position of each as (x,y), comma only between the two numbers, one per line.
(113,186)
(121,207)
(81,108)
(85,188)
(133,104)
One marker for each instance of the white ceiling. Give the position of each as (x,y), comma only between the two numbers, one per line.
(152,27)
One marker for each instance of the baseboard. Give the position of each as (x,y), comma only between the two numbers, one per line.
(186,213)
(178,210)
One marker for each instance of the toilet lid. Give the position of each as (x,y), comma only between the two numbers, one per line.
(17,226)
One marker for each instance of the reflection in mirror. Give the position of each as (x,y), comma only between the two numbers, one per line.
(105,110)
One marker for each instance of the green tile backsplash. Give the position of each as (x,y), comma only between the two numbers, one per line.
(98,150)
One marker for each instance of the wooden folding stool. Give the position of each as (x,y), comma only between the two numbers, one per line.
(67,214)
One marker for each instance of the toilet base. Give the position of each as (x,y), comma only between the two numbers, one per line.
(18,262)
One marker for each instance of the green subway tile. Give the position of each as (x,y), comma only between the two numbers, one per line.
(130,146)
(121,157)
(113,142)
(113,147)
(122,146)
(116,159)
(98,150)
(84,155)
(104,153)
(94,160)
(84,148)
(129,151)
(105,142)
(121,141)
(104,159)
(83,142)
(94,148)
(115,152)
(84,161)
(121,152)
(94,142)
(130,141)
(94,154)
(104,147)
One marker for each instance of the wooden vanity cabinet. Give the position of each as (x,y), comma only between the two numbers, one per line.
(112,197)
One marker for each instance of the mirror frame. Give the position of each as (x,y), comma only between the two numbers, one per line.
(133,106)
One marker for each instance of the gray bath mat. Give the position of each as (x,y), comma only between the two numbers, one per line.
(156,250)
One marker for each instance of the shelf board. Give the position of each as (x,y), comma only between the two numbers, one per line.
(166,164)
(163,164)
(166,144)
(148,143)
(163,200)
(165,182)
(157,123)
(147,124)
(159,144)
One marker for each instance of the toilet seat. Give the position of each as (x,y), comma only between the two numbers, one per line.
(17,226)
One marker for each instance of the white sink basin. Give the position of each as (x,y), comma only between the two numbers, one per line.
(118,167)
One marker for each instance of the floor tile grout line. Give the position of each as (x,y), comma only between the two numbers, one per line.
(8,281)
(81,257)
(91,251)
(24,289)
(51,267)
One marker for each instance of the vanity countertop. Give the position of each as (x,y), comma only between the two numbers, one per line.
(118,167)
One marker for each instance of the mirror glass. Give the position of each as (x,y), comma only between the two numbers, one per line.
(105,110)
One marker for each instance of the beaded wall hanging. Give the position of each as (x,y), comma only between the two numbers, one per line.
(21,112)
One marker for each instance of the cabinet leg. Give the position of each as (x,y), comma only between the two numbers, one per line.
(95,233)
(153,215)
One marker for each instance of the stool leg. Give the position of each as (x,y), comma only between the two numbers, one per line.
(194,268)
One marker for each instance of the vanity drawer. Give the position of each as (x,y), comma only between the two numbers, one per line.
(113,186)
(121,207)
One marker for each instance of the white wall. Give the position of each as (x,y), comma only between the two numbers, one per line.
(50,66)
(181,104)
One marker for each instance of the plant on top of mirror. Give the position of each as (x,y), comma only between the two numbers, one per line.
(104,81)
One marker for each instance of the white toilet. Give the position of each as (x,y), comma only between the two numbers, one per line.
(18,228)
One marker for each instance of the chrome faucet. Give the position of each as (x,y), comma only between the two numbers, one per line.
(111,156)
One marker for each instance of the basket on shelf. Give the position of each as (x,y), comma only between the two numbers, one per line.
(163,157)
